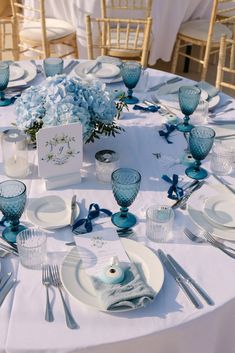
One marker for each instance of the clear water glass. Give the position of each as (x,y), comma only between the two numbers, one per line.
(222,158)
(131,71)
(32,247)
(159,222)
(4,79)
(125,186)
(189,97)
(201,139)
(53,66)
(12,204)
(200,115)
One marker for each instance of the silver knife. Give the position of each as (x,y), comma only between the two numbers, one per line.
(225,184)
(179,279)
(172,80)
(185,198)
(73,209)
(91,68)
(188,278)
(9,249)
(5,279)
(6,289)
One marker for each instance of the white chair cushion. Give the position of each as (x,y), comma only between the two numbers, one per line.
(55,29)
(198,29)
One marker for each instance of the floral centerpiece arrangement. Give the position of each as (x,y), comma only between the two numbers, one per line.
(61,100)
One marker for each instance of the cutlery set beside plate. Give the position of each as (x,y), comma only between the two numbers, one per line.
(105,72)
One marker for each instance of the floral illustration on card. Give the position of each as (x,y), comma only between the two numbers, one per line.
(97,241)
(60,149)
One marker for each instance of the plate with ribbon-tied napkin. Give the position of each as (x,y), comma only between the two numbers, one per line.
(142,282)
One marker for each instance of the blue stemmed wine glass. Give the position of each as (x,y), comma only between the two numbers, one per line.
(201,139)
(189,97)
(131,71)
(12,204)
(125,185)
(4,79)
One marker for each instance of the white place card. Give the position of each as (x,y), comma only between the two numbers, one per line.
(60,153)
(96,249)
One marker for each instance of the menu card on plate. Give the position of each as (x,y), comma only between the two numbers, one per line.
(96,250)
(60,154)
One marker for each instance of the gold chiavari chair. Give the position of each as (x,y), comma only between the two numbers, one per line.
(109,7)
(6,30)
(205,34)
(225,70)
(123,38)
(34,32)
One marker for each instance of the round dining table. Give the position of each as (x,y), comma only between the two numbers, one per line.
(170,324)
(167,18)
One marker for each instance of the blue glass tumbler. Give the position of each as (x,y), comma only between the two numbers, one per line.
(12,204)
(201,139)
(125,185)
(189,97)
(131,71)
(53,66)
(4,79)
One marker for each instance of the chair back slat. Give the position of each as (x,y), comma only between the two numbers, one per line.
(108,8)
(226,66)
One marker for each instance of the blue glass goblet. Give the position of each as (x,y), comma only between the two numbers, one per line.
(189,97)
(125,185)
(4,79)
(12,204)
(131,72)
(201,139)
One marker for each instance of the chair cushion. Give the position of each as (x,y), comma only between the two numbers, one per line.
(55,29)
(198,29)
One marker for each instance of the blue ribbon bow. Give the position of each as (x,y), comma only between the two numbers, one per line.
(169,130)
(150,108)
(93,212)
(174,189)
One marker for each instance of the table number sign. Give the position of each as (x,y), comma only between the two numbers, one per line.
(60,154)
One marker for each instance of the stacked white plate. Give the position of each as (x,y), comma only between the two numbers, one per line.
(106,72)
(21,73)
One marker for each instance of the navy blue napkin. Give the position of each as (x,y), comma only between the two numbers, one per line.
(84,225)
(150,108)
(175,192)
(166,134)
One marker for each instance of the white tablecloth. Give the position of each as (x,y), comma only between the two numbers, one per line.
(167,18)
(170,324)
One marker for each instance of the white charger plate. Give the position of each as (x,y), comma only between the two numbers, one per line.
(16,72)
(78,284)
(107,71)
(50,212)
(80,70)
(220,209)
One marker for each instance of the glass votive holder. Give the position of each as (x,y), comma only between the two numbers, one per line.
(53,66)
(142,84)
(15,153)
(31,244)
(159,222)
(106,161)
(222,158)
(200,115)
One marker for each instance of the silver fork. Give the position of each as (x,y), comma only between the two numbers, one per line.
(213,242)
(56,281)
(209,237)
(46,281)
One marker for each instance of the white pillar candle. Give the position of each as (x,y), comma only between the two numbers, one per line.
(16,167)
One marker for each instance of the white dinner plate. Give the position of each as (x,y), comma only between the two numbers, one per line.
(30,71)
(78,284)
(81,68)
(221,210)
(16,72)
(107,71)
(50,212)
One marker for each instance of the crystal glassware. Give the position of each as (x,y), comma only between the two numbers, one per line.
(125,185)
(4,79)
(12,204)
(131,72)
(222,158)
(106,161)
(31,244)
(189,97)
(201,139)
(53,66)
(159,221)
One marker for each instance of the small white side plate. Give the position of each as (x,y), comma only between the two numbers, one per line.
(78,284)
(107,70)
(220,209)
(16,72)
(80,72)
(50,212)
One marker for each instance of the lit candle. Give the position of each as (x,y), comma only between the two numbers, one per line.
(16,167)
(106,162)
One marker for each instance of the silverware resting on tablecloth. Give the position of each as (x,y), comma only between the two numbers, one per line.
(6,289)
(73,209)
(220,180)
(9,249)
(159,85)
(46,281)
(182,202)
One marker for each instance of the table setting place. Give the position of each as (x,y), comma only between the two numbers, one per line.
(117,198)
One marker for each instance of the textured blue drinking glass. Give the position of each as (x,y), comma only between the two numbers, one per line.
(4,79)
(12,204)
(201,139)
(131,72)
(53,66)
(189,97)
(125,185)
